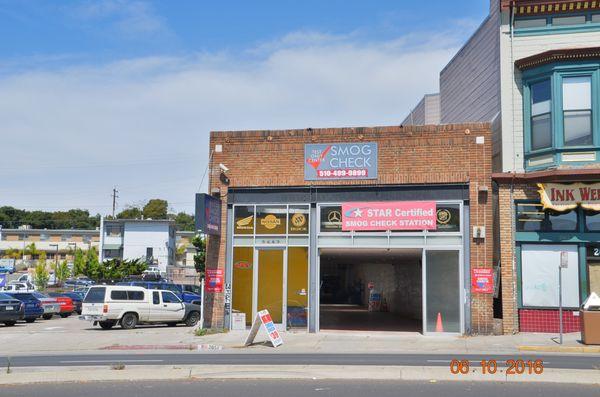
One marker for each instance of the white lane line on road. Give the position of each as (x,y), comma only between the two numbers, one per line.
(108,361)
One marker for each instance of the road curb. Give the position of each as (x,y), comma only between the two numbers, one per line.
(140,373)
(561,349)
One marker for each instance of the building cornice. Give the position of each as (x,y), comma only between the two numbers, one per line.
(565,175)
(569,54)
(540,7)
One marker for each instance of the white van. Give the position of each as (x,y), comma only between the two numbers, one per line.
(108,305)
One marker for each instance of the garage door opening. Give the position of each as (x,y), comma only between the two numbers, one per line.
(371,290)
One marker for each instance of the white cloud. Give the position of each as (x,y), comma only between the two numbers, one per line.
(69,135)
(128,18)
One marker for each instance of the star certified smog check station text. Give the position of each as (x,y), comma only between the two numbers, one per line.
(395,215)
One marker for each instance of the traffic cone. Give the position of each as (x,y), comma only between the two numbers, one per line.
(439,327)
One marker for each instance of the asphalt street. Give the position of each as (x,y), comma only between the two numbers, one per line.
(192,358)
(294,388)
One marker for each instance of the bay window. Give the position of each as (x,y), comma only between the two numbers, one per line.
(561,120)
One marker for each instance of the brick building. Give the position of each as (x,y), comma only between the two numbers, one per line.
(307,234)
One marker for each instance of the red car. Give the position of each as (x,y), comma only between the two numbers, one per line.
(67,307)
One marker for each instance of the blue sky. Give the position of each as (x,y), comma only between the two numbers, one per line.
(113,92)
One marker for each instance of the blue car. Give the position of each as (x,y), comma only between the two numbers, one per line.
(185,296)
(33,306)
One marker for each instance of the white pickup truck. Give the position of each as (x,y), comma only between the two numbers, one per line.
(108,305)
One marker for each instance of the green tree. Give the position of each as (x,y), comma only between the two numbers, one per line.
(199,242)
(32,251)
(115,269)
(180,251)
(62,272)
(80,219)
(11,253)
(92,267)
(79,262)
(184,221)
(156,209)
(41,276)
(130,213)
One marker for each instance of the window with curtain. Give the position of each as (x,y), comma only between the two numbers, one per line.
(541,124)
(577,110)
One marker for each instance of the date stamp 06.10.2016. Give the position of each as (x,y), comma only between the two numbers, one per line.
(509,367)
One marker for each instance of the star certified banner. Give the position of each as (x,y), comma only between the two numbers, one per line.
(389,215)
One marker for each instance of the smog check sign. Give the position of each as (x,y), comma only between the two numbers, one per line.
(334,161)
(389,215)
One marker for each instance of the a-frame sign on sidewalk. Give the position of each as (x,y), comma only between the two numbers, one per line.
(264,318)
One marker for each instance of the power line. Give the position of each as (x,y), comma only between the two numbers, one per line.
(205,170)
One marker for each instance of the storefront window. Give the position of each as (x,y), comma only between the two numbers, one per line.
(592,221)
(271,219)
(331,218)
(242,281)
(298,219)
(531,217)
(539,275)
(243,220)
(448,218)
(562,221)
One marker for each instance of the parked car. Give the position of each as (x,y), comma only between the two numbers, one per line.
(109,305)
(76,298)
(67,307)
(7,265)
(50,305)
(194,289)
(6,269)
(15,286)
(154,271)
(78,282)
(33,306)
(185,296)
(11,310)
(26,279)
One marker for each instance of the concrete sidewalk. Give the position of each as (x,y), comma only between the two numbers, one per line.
(75,336)
(389,342)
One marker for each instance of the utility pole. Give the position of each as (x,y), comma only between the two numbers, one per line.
(114,197)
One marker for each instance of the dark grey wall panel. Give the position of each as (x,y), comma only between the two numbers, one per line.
(470,83)
(338,194)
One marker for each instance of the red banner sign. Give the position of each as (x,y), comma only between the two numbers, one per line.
(389,215)
(482,281)
(214,280)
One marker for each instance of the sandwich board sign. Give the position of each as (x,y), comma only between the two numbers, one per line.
(264,318)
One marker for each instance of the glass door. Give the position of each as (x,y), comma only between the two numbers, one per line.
(270,287)
(442,292)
